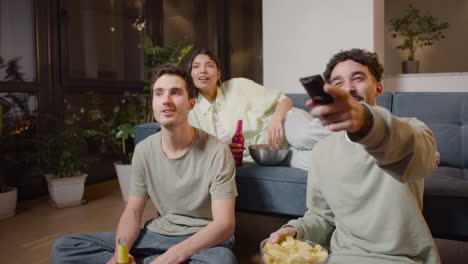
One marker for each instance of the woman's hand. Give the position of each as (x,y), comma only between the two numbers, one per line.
(275,131)
(281,234)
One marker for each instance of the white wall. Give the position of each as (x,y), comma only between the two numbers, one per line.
(300,36)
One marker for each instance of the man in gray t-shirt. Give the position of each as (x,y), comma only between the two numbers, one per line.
(188,175)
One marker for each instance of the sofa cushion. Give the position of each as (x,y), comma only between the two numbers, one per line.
(445,202)
(385,100)
(273,189)
(446,189)
(447,117)
(447,181)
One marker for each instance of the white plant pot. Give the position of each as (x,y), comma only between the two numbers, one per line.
(8,202)
(123,174)
(66,192)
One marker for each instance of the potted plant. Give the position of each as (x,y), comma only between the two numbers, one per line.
(8,194)
(417,31)
(116,130)
(59,158)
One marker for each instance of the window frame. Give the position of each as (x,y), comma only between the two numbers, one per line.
(70,84)
(26,86)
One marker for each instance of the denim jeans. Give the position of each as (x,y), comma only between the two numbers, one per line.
(98,248)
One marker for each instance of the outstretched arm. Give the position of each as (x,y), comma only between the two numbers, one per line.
(404,147)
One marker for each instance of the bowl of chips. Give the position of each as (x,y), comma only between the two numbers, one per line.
(292,251)
(268,155)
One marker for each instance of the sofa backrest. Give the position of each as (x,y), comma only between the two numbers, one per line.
(299,100)
(145,130)
(446,114)
(385,100)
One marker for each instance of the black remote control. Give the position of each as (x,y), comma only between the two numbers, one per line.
(314,87)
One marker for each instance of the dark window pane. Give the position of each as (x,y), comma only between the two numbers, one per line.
(245,35)
(103,39)
(17,56)
(19,112)
(197,19)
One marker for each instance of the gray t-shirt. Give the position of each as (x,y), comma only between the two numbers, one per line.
(182,189)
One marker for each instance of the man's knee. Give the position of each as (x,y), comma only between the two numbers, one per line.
(215,255)
(61,243)
(60,248)
(226,255)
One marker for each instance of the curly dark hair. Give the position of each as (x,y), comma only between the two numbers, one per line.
(172,69)
(364,57)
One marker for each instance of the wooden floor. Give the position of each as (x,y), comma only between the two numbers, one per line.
(28,236)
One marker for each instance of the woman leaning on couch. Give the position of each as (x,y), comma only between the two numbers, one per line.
(267,114)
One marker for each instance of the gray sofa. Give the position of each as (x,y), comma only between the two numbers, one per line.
(282,190)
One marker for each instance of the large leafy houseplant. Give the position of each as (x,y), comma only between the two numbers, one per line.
(59,157)
(59,154)
(416,30)
(115,129)
(135,108)
(8,194)
(156,55)
(8,157)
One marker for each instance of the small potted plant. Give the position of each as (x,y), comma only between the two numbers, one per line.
(59,158)
(8,194)
(416,31)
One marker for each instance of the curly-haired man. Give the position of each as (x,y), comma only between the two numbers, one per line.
(366,182)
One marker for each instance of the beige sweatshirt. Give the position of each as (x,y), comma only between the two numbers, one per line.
(365,198)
